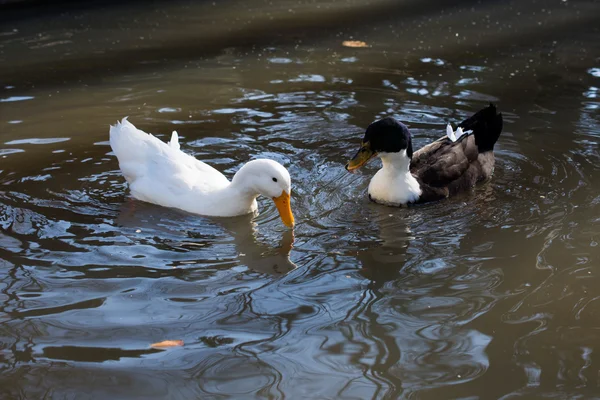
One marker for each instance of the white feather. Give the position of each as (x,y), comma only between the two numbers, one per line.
(450,133)
(459,132)
(394,184)
(174,142)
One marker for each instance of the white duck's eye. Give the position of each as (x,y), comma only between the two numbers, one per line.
(274,179)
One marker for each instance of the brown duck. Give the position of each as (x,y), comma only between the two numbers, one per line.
(449,165)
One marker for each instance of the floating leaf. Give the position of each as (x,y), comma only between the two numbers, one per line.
(167,343)
(354,43)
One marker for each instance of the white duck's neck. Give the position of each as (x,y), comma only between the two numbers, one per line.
(394,184)
(245,197)
(242,189)
(237,198)
(243,182)
(229,201)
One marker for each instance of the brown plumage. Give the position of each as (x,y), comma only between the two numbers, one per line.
(444,168)
(441,169)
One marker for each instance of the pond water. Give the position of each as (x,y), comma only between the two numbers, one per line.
(491,294)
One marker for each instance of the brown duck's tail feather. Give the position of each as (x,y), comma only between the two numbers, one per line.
(486,125)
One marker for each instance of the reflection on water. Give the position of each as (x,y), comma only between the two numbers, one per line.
(241,232)
(489,294)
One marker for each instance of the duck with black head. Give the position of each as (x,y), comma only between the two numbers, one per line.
(443,168)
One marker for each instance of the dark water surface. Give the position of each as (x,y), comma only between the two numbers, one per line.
(493,294)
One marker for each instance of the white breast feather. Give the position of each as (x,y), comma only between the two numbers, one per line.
(394,184)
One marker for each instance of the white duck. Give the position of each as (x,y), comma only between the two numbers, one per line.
(162,174)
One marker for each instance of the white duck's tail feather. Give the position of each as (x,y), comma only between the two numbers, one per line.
(154,168)
(174,142)
(125,139)
(133,148)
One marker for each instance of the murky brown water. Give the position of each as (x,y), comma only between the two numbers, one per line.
(493,294)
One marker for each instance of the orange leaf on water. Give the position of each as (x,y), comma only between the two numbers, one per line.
(167,343)
(354,43)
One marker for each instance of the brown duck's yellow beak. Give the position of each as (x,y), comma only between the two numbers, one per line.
(284,207)
(362,156)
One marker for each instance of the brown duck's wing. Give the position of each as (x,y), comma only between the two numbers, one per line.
(442,162)
(478,170)
(424,152)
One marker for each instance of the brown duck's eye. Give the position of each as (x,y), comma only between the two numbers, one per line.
(274,179)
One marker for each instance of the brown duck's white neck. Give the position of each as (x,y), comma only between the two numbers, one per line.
(395,161)
(394,184)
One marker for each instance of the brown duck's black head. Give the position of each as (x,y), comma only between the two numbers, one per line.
(388,136)
(384,136)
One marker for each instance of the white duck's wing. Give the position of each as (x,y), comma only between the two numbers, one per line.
(156,169)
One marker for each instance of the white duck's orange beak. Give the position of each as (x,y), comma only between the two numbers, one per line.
(284,207)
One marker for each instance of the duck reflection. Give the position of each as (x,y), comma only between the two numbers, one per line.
(185,232)
(384,258)
(424,293)
(254,254)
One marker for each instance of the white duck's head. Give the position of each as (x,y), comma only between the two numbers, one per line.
(270,179)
